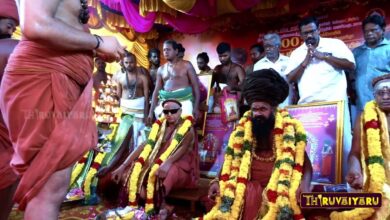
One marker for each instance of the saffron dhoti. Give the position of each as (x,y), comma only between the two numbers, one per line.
(46,99)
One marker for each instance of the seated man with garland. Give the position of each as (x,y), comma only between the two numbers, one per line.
(368,161)
(168,159)
(265,165)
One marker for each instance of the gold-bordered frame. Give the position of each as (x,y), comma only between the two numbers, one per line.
(339,132)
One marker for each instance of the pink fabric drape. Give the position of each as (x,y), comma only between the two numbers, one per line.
(131,14)
(189,23)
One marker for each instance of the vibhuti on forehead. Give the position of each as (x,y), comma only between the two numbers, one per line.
(382,84)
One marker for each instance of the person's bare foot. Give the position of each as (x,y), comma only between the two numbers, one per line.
(165,212)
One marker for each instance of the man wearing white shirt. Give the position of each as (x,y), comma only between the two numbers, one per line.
(274,60)
(318,67)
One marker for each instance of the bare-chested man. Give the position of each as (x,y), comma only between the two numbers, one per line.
(100,75)
(228,73)
(154,62)
(175,80)
(8,179)
(52,68)
(133,90)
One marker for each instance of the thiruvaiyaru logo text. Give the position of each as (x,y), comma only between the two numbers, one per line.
(341,200)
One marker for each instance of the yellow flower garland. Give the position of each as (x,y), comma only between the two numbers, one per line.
(290,142)
(92,172)
(370,128)
(139,163)
(78,168)
(184,128)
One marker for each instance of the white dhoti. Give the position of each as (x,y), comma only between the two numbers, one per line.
(135,108)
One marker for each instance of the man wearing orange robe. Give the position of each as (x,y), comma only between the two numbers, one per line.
(8,21)
(180,170)
(264,90)
(45,99)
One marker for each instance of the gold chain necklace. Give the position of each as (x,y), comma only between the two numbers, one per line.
(263,159)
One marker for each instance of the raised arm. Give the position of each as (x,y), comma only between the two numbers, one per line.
(39,22)
(337,63)
(296,73)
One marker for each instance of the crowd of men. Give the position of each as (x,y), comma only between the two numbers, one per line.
(36,155)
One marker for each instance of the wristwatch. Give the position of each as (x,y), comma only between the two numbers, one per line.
(327,55)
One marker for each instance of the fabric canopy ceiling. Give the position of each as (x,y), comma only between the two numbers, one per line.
(196,16)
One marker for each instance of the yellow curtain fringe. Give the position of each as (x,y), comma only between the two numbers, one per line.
(180,5)
(146,6)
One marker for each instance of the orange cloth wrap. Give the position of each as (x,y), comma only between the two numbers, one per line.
(6,173)
(46,99)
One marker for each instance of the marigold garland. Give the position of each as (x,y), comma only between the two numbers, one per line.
(97,162)
(78,168)
(290,143)
(181,132)
(371,130)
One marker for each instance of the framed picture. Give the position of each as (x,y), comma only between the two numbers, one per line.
(213,144)
(323,122)
(205,89)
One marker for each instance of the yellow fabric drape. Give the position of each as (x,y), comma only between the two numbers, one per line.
(180,5)
(141,51)
(146,6)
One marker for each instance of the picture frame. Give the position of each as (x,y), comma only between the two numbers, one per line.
(212,146)
(323,122)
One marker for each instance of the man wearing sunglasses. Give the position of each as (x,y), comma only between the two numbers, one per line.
(180,170)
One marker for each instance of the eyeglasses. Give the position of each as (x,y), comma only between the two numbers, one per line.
(171,111)
(382,92)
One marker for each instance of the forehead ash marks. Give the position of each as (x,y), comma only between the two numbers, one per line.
(382,85)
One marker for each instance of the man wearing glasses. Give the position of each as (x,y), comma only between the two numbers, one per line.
(179,170)
(318,67)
